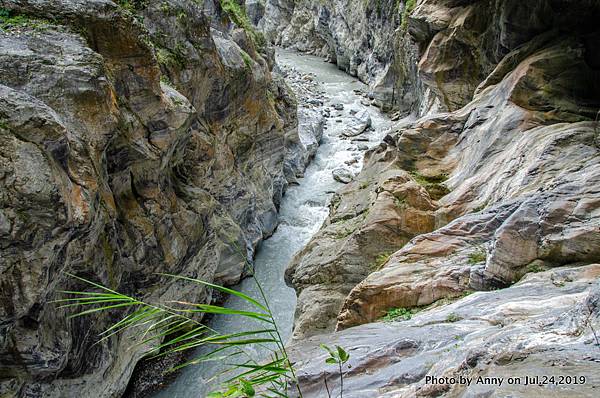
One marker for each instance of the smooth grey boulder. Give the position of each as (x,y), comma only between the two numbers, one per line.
(342,175)
(357,125)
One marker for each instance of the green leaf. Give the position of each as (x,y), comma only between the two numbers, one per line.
(279,394)
(329,350)
(274,367)
(332,361)
(343,355)
(93,284)
(247,388)
(206,358)
(215,309)
(220,288)
(108,307)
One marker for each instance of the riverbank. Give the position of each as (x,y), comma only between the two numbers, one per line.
(328,104)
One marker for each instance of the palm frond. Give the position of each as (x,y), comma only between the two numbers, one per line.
(167,330)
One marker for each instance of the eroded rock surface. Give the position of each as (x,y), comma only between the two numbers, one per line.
(136,138)
(419,55)
(543,325)
(504,182)
(355,35)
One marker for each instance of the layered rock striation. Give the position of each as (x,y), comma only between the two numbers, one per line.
(500,185)
(136,137)
(536,331)
(418,56)
(355,35)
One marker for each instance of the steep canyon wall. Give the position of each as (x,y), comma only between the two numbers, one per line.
(136,137)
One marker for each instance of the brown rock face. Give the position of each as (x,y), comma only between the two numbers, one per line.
(534,177)
(507,181)
(370,218)
(132,141)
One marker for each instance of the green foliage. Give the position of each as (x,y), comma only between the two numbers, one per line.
(171,58)
(126,5)
(424,180)
(238,16)
(433,184)
(409,6)
(165,7)
(399,314)
(338,357)
(400,202)
(343,233)
(247,60)
(380,259)
(535,268)
(8,20)
(478,256)
(452,317)
(131,5)
(174,328)
(164,79)
(346,228)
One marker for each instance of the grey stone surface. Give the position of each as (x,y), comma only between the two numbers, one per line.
(539,326)
(133,141)
(342,175)
(470,199)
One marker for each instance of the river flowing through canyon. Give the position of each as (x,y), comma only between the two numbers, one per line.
(303,208)
(416,181)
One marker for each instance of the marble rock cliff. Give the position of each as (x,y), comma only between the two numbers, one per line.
(494,190)
(418,56)
(135,138)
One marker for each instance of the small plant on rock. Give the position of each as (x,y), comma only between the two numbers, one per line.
(401,203)
(452,317)
(379,261)
(336,357)
(535,268)
(479,256)
(398,314)
(432,184)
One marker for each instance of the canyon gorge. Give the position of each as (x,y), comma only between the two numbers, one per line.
(417,181)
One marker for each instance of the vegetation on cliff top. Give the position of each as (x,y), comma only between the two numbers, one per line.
(238,16)
(9,19)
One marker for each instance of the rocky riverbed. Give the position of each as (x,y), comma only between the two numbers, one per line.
(324,96)
(492,189)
